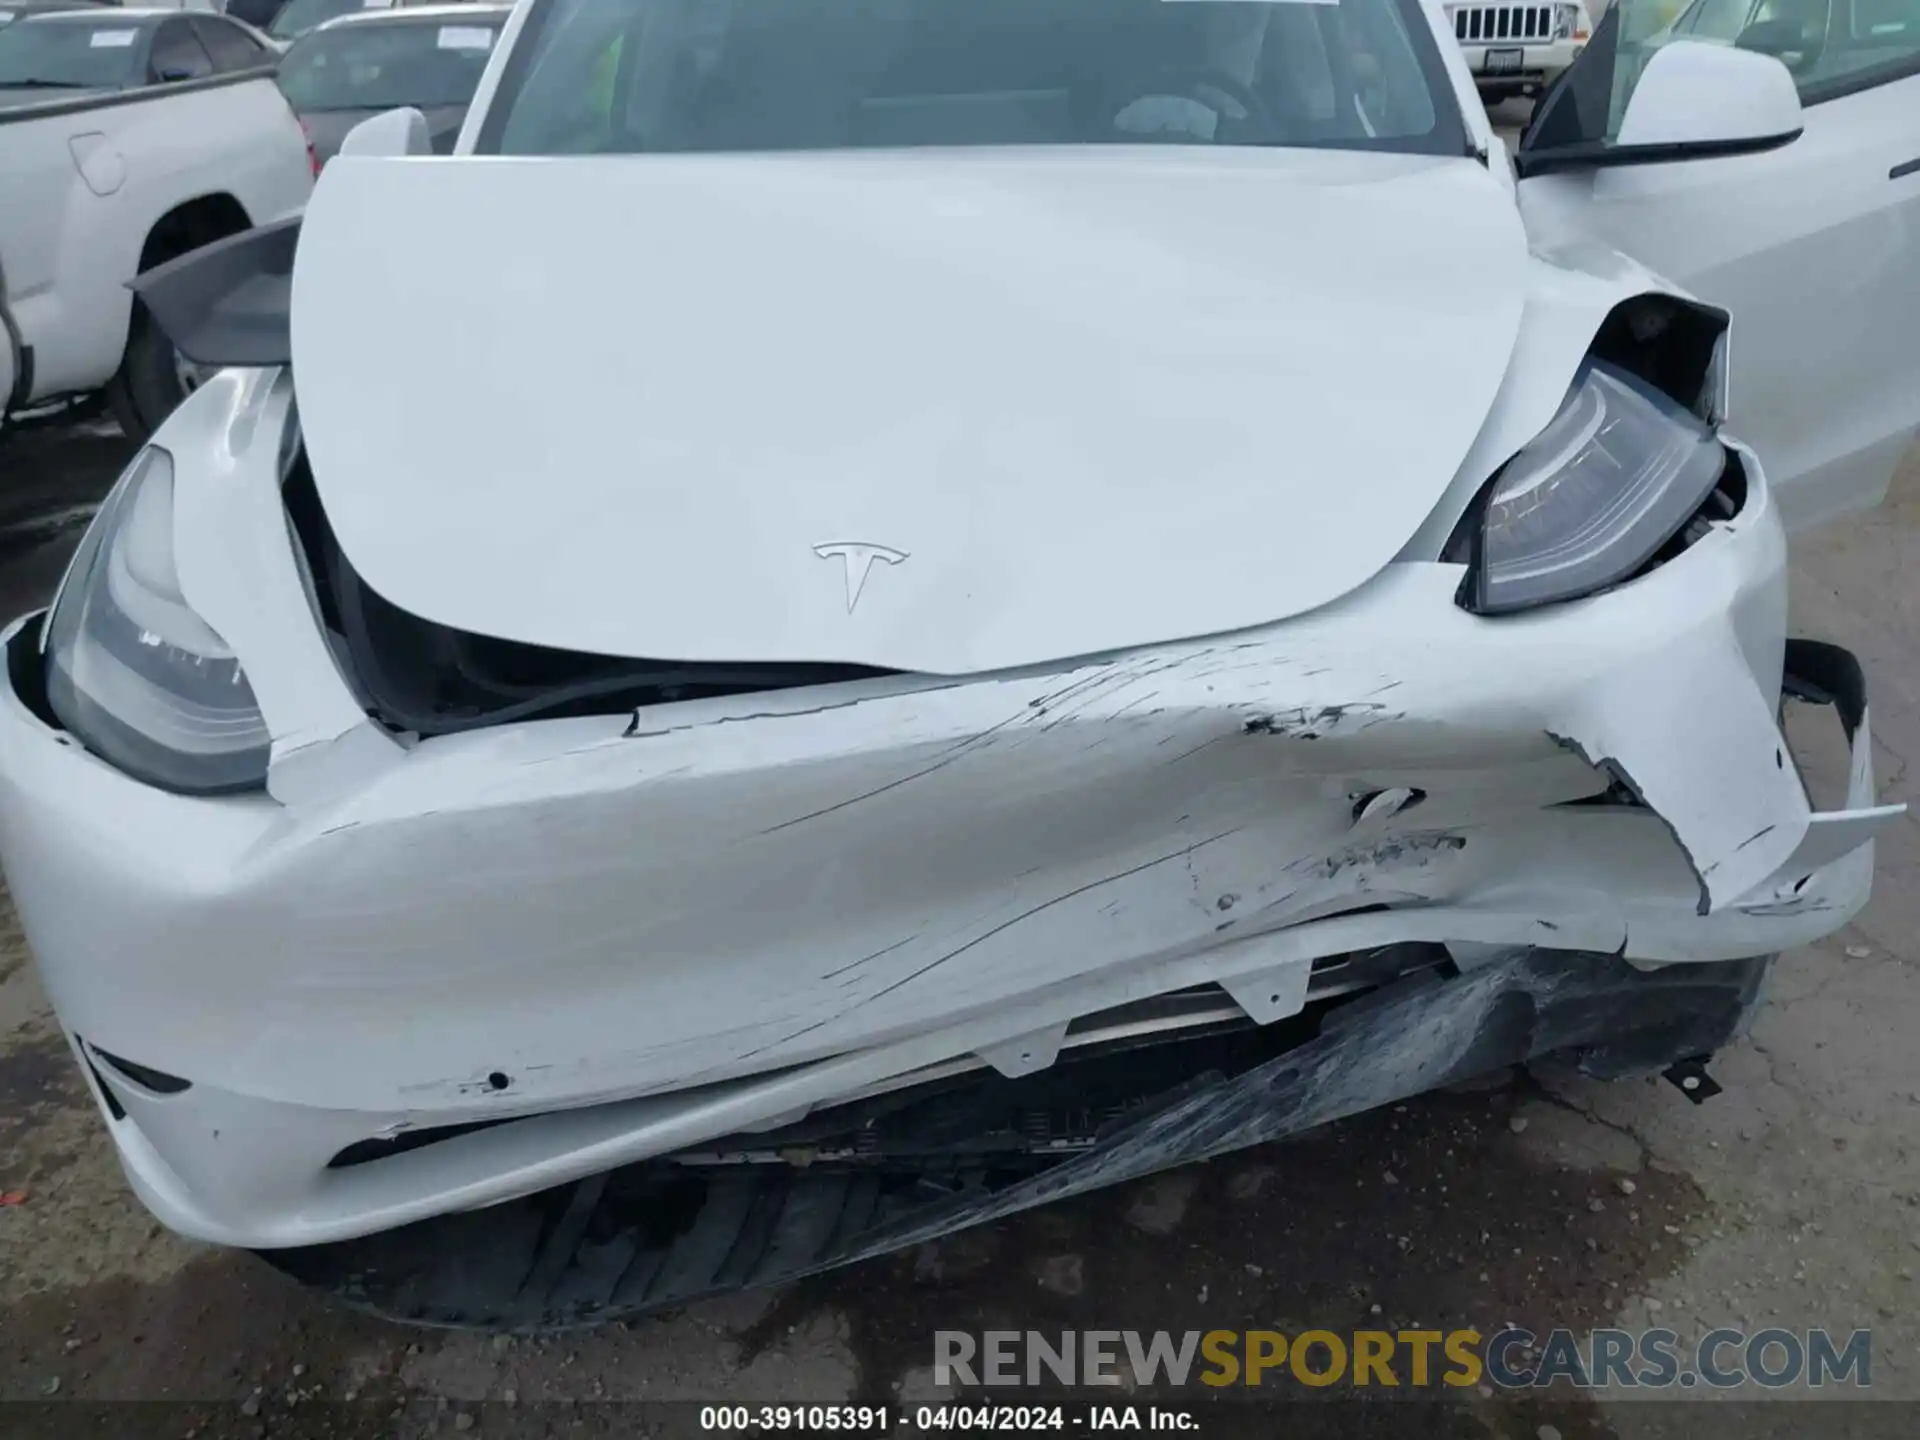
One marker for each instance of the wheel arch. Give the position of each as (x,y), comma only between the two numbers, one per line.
(139,398)
(185,225)
(192,223)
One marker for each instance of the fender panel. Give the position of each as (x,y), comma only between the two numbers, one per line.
(228,303)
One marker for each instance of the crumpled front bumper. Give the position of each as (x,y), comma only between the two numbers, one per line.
(595,1251)
(631,934)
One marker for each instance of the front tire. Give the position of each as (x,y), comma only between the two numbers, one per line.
(153,376)
(151,380)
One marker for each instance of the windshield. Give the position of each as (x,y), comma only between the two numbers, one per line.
(386,64)
(622,76)
(300,16)
(64,54)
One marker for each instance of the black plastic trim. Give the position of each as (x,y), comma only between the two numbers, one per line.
(105,1092)
(1900,172)
(27,675)
(386,1147)
(1666,341)
(1599,154)
(135,96)
(1823,674)
(147,1078)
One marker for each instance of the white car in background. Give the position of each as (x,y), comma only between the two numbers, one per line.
(428,57)
(1517,50)
(298,17)
(127,138)
(1105,585)
(1824,43)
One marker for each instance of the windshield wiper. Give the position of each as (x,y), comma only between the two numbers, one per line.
(44,85)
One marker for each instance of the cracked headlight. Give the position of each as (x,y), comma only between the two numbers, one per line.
(132,672)
(1590,500)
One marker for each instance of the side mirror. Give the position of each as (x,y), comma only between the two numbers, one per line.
(1689,101)
(1710,99)
(390,133)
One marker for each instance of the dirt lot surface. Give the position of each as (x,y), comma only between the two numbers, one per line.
(1543,1200)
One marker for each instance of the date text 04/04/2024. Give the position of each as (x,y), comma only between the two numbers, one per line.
(878,1419)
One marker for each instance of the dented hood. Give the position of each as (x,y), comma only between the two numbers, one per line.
(941,411)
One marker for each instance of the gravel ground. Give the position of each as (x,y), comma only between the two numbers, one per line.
(1543,1199)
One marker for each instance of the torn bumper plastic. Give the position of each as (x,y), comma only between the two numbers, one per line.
(631,934)
(597,1250)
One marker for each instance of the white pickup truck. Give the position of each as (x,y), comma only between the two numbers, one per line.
(104,182)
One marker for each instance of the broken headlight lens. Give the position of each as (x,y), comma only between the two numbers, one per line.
(132,672)
(1591,499)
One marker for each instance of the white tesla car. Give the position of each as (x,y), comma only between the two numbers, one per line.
(864,613)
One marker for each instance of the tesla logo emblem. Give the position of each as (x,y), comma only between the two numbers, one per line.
(858,560)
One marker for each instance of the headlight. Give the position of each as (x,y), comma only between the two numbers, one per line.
(1716,385)
(1587,503)
(1565,18)
(132,672)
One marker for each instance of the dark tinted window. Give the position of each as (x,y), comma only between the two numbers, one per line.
(230,46)
(257,13)
(1871,42)
(58,54)
(620,76)
(299,16)
(1832,48)
(388,63)
(177,55)
(1716,19)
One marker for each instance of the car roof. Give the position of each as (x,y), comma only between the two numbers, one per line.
(426,14)
(112,14)
(124,12)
